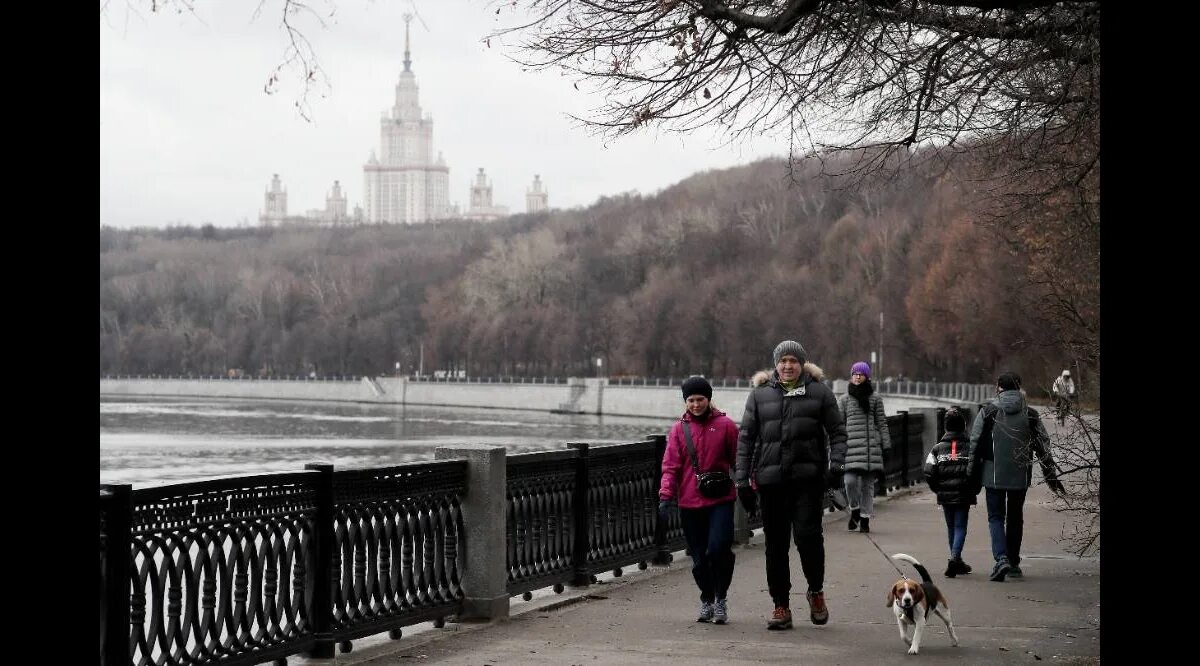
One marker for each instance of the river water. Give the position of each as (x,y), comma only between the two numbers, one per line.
(156,440)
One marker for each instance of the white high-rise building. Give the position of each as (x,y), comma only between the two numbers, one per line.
(537,199)
(274,204)
(275,212)
(405,183)
(481,208)
(335,205)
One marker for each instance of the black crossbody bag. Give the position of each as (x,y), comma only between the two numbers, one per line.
(713,485)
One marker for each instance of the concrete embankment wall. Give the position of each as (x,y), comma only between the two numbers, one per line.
(583,395)
(333,391)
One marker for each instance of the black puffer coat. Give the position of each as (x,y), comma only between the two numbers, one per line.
(797,437)
(948,470)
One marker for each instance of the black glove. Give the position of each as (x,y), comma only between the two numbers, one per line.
(834,478)
(749,500)
(664,509)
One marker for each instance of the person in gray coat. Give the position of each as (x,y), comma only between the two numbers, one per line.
(791,448)
(866,440)
(1005,437)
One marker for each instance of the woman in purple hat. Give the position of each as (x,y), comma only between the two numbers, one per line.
(867,438)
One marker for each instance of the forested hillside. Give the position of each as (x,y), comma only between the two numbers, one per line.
(703,277)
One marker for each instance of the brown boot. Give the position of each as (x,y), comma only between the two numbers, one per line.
(781,618)
(818,611)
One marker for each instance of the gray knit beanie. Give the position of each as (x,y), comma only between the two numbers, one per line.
(789,347)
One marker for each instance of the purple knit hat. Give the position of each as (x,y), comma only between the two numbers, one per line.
(862,367)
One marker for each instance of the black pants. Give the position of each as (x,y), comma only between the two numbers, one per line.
(798,508)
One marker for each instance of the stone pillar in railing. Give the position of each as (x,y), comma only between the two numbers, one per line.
(324,546)
(117,502)
(662,554)
(930,418)
(582,575)
(484,509)
(972,409)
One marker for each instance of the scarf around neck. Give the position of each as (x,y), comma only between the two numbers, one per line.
(862,393)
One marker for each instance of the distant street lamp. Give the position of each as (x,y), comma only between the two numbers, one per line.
(879,366)
(599,362)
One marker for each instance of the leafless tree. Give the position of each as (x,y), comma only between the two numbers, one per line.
(831,75)
(1012,86)
(1077,453)
(299,58)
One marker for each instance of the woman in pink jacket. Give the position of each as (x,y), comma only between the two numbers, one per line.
(707,521)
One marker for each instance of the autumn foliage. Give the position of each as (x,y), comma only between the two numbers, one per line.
(702,277)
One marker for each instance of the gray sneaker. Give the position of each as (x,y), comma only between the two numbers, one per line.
(706,612)
(1014,571)
(720,613)
(1000,571)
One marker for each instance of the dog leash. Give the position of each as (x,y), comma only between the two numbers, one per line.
(833,501)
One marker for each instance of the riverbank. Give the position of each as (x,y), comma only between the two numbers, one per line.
(595,396)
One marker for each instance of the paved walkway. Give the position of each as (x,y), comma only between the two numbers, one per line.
(1051,615)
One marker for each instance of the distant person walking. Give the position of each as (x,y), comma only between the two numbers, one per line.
(703,441)
(866,440)
(1064,395)
(792,448)
(1005,437)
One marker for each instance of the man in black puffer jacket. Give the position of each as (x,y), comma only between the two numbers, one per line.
(792,447)
(949,473)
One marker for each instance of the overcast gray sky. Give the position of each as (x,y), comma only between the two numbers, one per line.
(187,135)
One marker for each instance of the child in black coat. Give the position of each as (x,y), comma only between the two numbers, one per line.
(946,470)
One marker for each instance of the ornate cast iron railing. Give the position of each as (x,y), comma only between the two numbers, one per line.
(220,570)
(250,569)
(541,519)
(622,505)
(398,533)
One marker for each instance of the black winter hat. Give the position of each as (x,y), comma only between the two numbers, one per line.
(696,385)
(1009,381)
(955,421)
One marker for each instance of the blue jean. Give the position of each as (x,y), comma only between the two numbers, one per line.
(1006,523)
(956,527)
(709,535)
(860,491)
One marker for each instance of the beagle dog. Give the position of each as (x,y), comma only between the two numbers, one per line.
(912,603)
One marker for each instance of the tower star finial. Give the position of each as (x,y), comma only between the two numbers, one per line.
(407,61)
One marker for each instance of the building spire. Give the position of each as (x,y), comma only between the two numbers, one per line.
(407,61)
